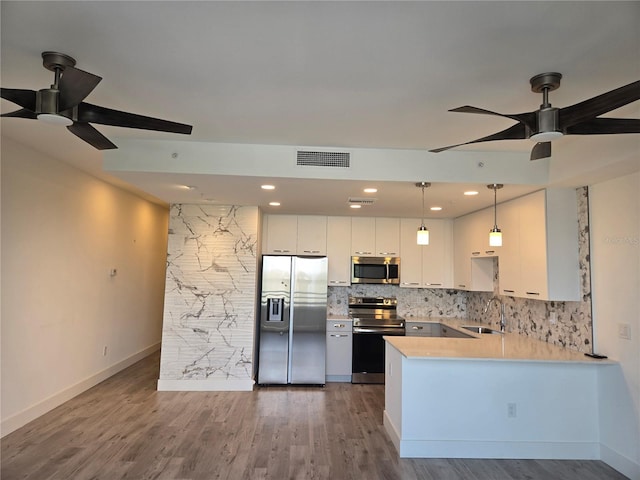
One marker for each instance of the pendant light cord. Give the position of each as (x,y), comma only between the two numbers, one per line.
(422,205)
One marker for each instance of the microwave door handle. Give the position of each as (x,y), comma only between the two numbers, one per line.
(387,265)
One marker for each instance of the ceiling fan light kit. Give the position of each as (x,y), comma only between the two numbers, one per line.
(549,123)
(62,104)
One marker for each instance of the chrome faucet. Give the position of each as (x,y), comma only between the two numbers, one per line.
(503,323)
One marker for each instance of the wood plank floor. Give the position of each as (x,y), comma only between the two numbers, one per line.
(125,429)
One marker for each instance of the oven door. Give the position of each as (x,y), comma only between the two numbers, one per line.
(368,353)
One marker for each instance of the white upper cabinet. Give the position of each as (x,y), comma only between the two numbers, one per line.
(295,235)
(363,236)
(387,237)
(543,263)
(375,237)
(473,265)
(312,235)
(426,266)
(281,234)
(339,251)
(509,260)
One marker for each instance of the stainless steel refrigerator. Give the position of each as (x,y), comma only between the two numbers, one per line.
(293,318)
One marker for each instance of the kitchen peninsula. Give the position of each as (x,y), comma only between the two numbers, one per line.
(490,396)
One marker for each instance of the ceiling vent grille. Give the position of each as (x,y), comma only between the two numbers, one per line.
(323,159)
(361,200)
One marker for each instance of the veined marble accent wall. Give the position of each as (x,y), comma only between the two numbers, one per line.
(574,326)
(208,327)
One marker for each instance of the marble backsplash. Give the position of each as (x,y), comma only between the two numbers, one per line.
(412,302)
(572,327)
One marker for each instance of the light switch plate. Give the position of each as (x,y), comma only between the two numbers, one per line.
(624,331)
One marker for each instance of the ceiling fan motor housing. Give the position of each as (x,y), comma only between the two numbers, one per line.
(47,101)
(548,124)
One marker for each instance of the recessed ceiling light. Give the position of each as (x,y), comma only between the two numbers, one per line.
(370,190)
(436,209)
(470,193)
(355,206)
(187,187)
(274,204)
(267,187)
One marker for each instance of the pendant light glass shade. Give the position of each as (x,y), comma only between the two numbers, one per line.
(495,235)
(422,237)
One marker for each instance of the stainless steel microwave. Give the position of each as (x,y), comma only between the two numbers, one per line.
(385,270)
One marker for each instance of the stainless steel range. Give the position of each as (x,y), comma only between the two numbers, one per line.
(373,318)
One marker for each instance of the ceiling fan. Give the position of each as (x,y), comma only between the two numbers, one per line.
(548,123)
(63,104)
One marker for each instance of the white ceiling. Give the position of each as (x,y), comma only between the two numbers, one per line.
(375,75)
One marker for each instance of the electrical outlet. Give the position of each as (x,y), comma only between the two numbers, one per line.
(511,410)
(553,318)
(104,351)
(624,331)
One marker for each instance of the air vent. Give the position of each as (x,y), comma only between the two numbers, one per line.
(361,200)
(323,159)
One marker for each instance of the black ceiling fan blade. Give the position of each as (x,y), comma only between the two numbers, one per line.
(74,86)
(22,113)
(106,116)
(24,98)
(516,132)
(529,119)
(90,135)
(596,106)
(540,150)
(605,126)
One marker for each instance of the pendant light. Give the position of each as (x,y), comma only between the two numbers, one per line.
(423,232)
(495,235)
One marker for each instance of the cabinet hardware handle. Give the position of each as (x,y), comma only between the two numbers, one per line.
(338,325)
(475,253)
(489,252)
(461,285)
(363,253)
(339,335)
(387,253)
(533,293)
(337,281)
(279,250)
(311,251)
(507,291)
(410,283)
(434,284)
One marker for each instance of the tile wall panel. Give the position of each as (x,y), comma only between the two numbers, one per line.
(208,326)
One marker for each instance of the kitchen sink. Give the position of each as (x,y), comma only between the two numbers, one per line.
(479,329)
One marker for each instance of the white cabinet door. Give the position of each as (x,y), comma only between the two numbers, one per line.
(410,254)
(471,272)
(509,257)
(339,251)
(387,237)
(339,350)
(482,222)
(282,234)
(437,256)
(363,236)
(312,235)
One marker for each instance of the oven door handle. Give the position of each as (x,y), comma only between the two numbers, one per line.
(379,330)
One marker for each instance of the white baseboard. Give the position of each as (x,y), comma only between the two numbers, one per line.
(25,416)
(623,464)
(208,385)
(489,449)
(338,378)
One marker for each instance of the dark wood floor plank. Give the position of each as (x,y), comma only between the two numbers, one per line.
(125,429)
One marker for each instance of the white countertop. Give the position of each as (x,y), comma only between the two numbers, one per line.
(507,346)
